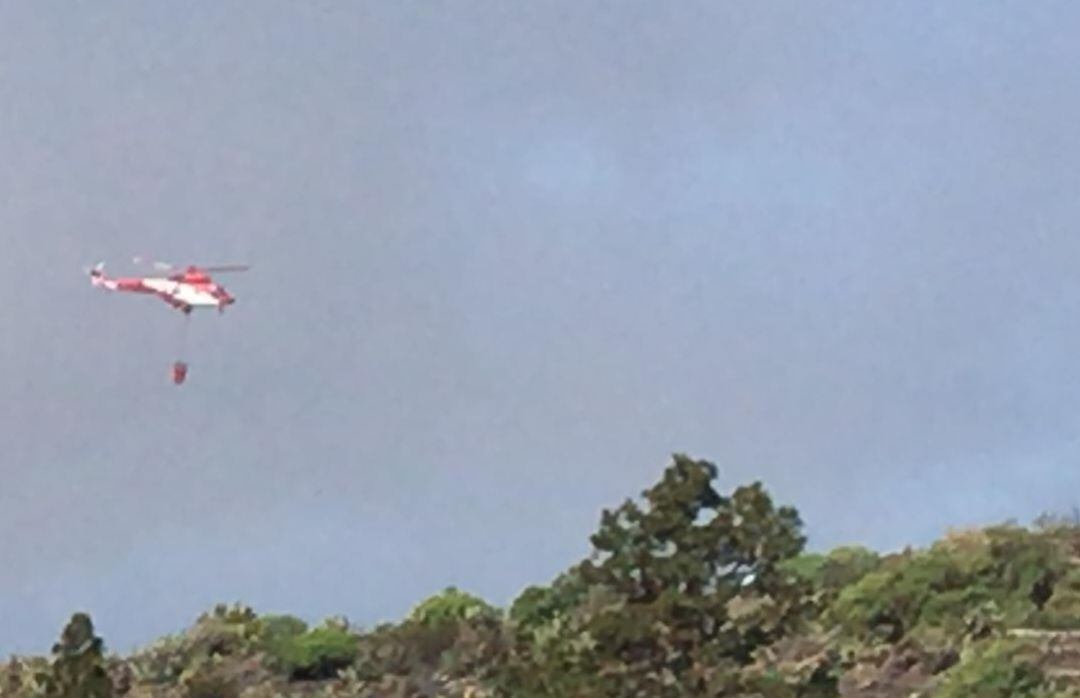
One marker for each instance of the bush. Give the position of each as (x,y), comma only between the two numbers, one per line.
(1003,573)
(225,631)
(994,671)
(207,682)
(21,677)
(406,649)
(451,605)
(273,628)
(839,568)
(319,653)
(1062,609)
(276,636)
(161,662)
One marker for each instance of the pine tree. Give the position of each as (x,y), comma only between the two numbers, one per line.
(78,665)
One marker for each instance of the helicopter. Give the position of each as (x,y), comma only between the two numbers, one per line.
(192,287)
(183,289)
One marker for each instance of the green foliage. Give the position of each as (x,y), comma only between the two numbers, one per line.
(994,671)
(687,592)
(449,636)
(966,583)
(1062,609)
(538,606)
(831,573)
(444,650)
(162,662)
(836,569)
(534,607)
(318,653)
(277,636)
(451,605)
(807,566)
(78,667)
(679,592)
(845,566)
(224,631)
(275,628)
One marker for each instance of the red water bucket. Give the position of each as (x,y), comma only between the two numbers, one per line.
(179,372)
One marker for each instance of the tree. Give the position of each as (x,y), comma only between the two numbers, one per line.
(78,667)
(538,606)
(683,588)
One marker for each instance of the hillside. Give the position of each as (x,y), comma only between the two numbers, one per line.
(688,592)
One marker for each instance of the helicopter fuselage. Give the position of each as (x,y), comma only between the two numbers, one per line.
(180,292)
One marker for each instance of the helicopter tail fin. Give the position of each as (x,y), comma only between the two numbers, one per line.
(98,277)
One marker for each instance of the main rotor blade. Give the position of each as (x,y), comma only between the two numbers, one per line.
(226,268)
(159,266)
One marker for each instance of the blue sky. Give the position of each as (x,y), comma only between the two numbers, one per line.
(507,258)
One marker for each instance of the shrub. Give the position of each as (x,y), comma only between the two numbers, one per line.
(227,630)
(1062,609)
(994,671)
(276,636)
(273,628)
(319,653)
(1003,573)
(161,662)
(451,605)
(222,632)
(207,682)
(839,568)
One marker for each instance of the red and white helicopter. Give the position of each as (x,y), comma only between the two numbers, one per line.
(185,290)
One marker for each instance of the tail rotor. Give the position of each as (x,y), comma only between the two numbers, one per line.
(96,273)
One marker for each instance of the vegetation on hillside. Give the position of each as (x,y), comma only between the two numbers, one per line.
(688,592)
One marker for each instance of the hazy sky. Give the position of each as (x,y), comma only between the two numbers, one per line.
(507,258)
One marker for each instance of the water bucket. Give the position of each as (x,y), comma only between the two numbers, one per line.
(179,372)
